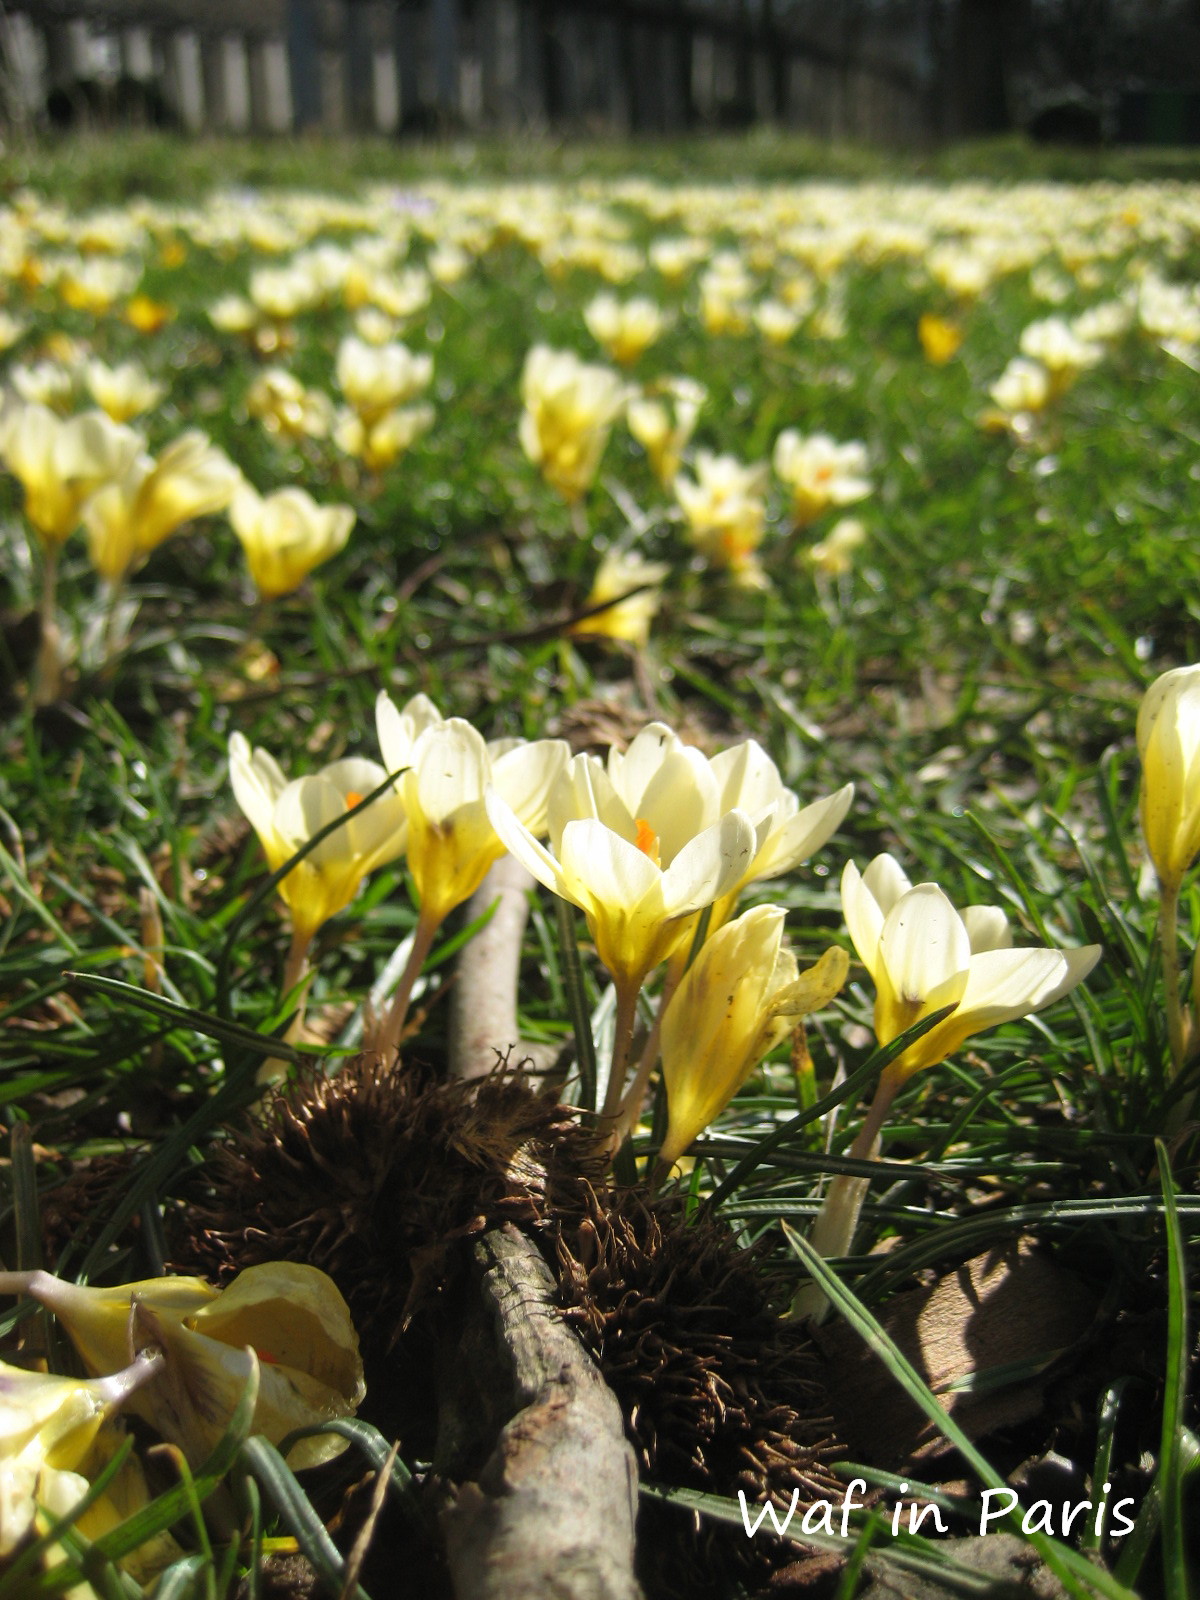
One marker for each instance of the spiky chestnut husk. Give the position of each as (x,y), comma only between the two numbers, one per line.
(719,1393)
(374,1175)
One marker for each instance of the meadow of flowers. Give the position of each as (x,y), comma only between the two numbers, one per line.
(659,713)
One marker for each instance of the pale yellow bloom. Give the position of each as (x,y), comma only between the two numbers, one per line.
(285,816)
(122,392)
(290,1316)
(130,517)
(775,321)
(834,554)
(569,410)
(1023,388)
(451,842)
(448,264)
(820,473)
(675,258)
(624,329)
(285,535)
(285,292)
(379,378)
(665,433)
(96,285)
(1168,741)
(61,464)
(233,314)
(60,1491)
(11,329)
(52,1423)
(286,407)
(46,383)
(1060,350)
(923,955)
(725,513)
(638,847)
(400,295)
(380,443)
(743,995)
(374,327)
(618,574)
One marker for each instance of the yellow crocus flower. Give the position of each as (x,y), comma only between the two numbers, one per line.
(569,410)
(820,472)
(379,378)
(1168,741)
(122,392)
(627,619)
(379,443)
(726,514)
(50,1423)
(60,465)
(743,995)
(131,516)
(286,815)
(923,955)
(665,434)
(285,535)
(637,875)
(626,329)
(289,1316)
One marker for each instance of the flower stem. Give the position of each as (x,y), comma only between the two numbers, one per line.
(47,678)
(295,968)
(386,1038)
(111,641)
(622,1039)
(1168,936)
(834,1226)
(631,1105)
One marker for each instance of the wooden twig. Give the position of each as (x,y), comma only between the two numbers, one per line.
(550,1516)
(483,1003)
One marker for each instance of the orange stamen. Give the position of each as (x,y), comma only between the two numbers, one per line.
(353,798)
(647,841)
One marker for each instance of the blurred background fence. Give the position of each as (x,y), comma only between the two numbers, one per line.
(885,71)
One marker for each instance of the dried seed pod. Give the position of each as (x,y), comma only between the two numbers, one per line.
(718,1392)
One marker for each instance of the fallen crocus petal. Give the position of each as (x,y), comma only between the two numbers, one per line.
(288,1315)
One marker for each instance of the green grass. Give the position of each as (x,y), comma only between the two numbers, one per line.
(977,675)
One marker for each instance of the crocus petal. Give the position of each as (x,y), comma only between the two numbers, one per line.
(633,770)
(802,835)
(517,838)
(399,729)
(747,777)
(450,768)
(709,865)
(586,790)
(924,950)
(679,801)
(987,928)
(524,776)
(1005,984)
(257,783)
(887,881)
(864,918)
(598,863)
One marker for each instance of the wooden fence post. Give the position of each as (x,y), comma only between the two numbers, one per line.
(304,65)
